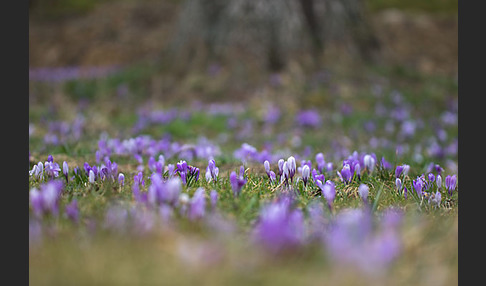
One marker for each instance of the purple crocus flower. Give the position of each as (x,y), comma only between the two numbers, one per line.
(435,198)
(385,164)
(328,191)
(65,170)
(52,169)
(46,199)
(418,185)
(369,163)
(212,170)
(266,165)
(345,174)
(292,167)
(398,184)
(316,176)
(197,205)
(438,182)
(72,211)
(450,183)
(280,167)
(321,163)
(182,169)
(279,227)
(237,182)
(121,179)
(363,191)
(398,171)
(305,174)
(308,118)
(352,240)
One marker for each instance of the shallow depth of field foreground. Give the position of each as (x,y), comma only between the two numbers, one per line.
(224,173)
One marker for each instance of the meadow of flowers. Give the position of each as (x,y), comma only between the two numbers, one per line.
(360,190)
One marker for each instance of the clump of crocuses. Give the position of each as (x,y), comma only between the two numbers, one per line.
(45,200)
(187,172)
(280,226)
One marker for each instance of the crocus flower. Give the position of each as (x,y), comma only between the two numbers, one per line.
(237,182)
(65,170)
(398,171)
(369,163)
(91,176)
(346,174)
(272,176)
(328,191)
(46,199)
(418,185)
(438,181)
(316,176)
(450,183)
(213,170)
(321,163)
(385,164)
(305,174)
(398,184)
(266,165)
(291,165)
(280,167)
(279,227)
(435,198)
(363,191)
(121,179)
(197,205)
(51,169)
(72,211)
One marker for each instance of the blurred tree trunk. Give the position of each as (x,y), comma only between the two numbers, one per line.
(272,31)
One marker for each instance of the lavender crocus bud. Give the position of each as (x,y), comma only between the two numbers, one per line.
(329,192)
(91,177)
(121,179)
(285,172)
(65,169)
(292,167)
(398,171)
(345,174)
(208,175)
(418,185)
(369,163)
(197,205)
(272,176)
(398,184)
(40,170)
(363,191)
(450,183)
(266,164)
(305,174)
(72,211)
(280,167)
(320,162)
(357,169)
(438,181)
(406,169)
